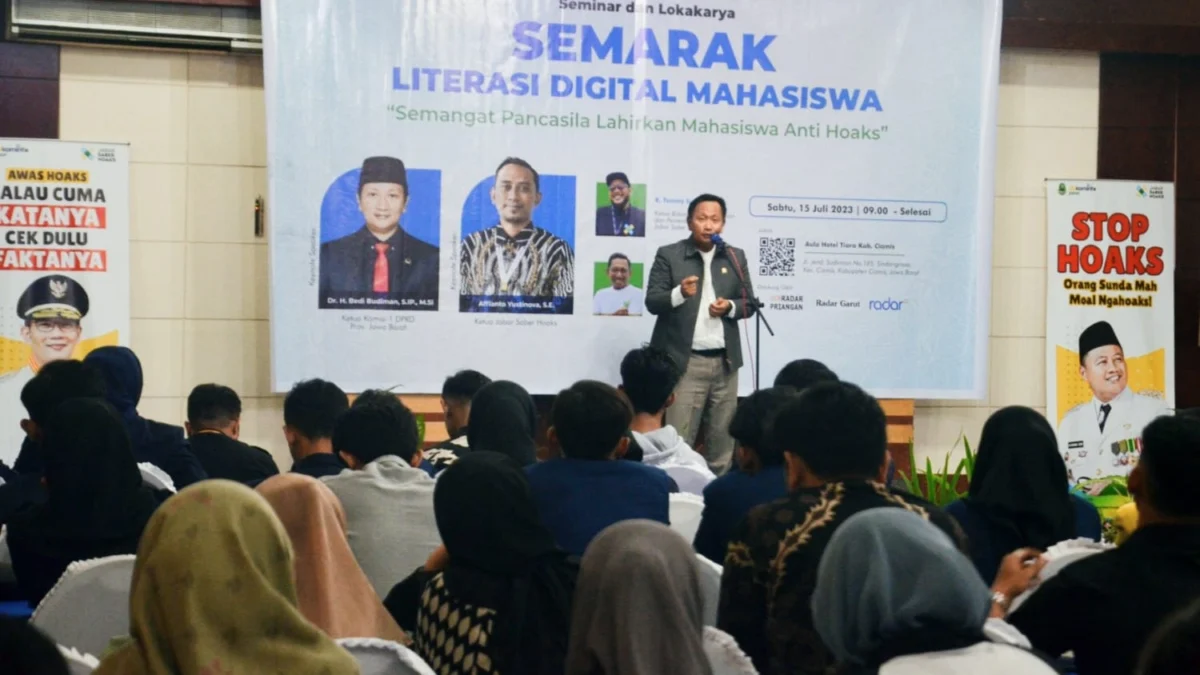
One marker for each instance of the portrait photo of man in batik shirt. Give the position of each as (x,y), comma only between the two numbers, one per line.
(516,266)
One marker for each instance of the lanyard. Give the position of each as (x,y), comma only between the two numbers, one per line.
(506,272)
(617,225)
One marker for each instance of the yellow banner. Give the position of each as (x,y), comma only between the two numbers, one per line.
(17,174)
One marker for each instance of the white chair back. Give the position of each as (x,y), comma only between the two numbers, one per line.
(89,605)
(156,477)
(724,654)
(685,514)
(710,587)
(6,570)
(1059,556)
(384,657)
(78,664)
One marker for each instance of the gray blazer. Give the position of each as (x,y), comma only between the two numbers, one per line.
(675,325)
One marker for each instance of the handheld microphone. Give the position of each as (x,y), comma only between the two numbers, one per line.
(718,242)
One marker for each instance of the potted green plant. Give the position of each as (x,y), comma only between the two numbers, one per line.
(940,488)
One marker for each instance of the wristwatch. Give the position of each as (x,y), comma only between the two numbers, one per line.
(1001,599)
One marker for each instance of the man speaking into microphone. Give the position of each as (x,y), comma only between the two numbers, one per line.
(696,290)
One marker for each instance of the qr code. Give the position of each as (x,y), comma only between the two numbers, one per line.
(776,257)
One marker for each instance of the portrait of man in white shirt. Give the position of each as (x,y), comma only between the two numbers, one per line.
(621,298)
(1102,437)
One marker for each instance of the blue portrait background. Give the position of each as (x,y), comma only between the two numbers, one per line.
(556,213)
(340,215)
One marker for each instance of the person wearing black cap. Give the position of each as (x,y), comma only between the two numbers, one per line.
(1103,436)
(620,218)
(380,266)
(51,309)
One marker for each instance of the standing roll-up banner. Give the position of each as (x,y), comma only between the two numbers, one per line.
(466,184)
(1110,321)
(64,261)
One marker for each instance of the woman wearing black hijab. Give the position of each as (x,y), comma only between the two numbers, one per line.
(507,586)
(1019,493)
(503,419)
(96,506)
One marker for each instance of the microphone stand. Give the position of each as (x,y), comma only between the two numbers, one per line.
(760,321)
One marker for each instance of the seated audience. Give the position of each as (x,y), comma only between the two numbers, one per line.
(54,383)
(310,411)
(834,439)
(586,490)
(388,499)
(648,379)
(500,571)
(503,419)
(760,476)
(457,392)
(25,650)
(894,595)
(214,592)
(214,422)
(1018,495)
(804,373)
(638,607)
(97,504)
(1175,645)
(388,400)
(333,592)
(162,445)
(1104,607)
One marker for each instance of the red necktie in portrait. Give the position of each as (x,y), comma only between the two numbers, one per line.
(380,282)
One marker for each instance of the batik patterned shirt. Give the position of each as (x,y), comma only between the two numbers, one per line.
(771,570)
(453,636)
(535,263)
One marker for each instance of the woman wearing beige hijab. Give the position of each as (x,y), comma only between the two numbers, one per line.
(213,592)
(334,592)
(638,607)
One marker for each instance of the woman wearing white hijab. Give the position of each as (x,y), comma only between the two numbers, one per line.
(895,597)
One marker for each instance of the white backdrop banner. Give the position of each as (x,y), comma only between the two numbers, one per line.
(852,139)
(1110,318)
(64,261)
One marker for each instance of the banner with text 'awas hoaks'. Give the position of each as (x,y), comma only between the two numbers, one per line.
(1110,326)
(64,261)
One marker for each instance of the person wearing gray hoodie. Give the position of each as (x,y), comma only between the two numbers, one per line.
(648,379)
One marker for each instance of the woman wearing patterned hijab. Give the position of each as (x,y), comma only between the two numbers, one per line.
(334,592)
(894,596)
(213,592)
(502,603)
(638,607)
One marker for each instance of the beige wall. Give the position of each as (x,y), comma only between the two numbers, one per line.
(200,280)
(1048,128)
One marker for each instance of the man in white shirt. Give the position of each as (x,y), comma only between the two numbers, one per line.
(1103,436)
(387,499)
(620,299)
(698,290)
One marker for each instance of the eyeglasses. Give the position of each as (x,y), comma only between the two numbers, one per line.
(47,326)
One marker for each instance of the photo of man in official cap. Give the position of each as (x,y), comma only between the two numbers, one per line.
(1100,436)
(380,261)
(51,308)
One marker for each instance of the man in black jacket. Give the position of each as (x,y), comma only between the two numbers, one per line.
(213,425)
(380,266)
(696,291)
